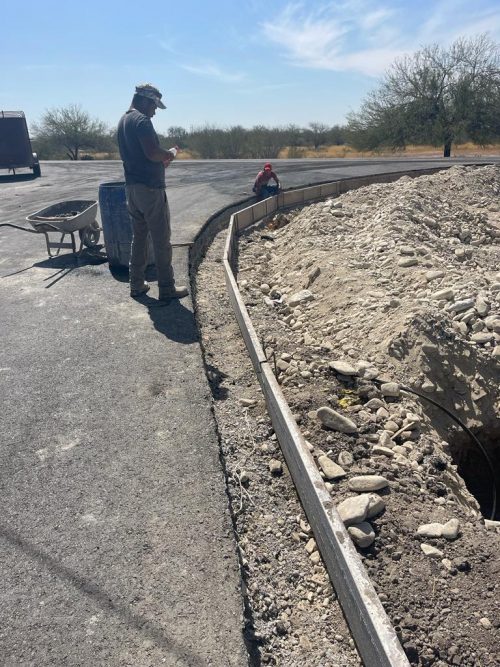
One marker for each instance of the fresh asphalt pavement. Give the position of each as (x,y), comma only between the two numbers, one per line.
(116,544)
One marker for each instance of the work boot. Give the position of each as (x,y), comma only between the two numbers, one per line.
(175,293)
(134,293)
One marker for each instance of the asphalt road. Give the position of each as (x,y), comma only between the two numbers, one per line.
(116,546)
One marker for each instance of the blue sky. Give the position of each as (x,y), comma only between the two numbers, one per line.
(216,61)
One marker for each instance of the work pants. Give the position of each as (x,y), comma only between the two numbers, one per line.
(149,212)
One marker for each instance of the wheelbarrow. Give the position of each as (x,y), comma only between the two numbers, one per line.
(65,218)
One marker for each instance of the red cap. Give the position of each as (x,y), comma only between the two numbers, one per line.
(268,166)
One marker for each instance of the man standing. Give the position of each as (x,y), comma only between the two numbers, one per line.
(144,163)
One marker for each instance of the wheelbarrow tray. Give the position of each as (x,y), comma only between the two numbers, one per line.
(65,216)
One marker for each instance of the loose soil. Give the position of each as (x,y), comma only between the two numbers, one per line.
(400,284)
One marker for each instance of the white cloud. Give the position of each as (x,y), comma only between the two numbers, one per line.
(450,19)
(352,36)
(321,38)
(373,20)
(371,62)
(214,72)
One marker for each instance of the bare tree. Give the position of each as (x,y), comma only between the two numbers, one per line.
(336,135)
(318,133)
(72,129)
(177,136)
(436,95)
(264,142)
(203,141)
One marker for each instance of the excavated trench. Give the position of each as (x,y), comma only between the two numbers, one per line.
(465,411)
(480,473)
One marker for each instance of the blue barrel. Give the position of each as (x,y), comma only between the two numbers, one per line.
(116,225)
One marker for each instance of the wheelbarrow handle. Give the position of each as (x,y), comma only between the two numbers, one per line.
(48,227)
(23,229)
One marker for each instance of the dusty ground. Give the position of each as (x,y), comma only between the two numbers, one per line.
(388,284)
(346,151)
(293,617)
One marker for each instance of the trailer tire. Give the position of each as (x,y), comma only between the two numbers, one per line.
(37,172)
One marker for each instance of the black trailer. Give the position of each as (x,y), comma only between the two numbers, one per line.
(15,144)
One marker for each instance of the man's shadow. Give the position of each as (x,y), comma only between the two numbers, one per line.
(172,318)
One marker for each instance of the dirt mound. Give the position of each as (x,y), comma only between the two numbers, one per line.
(383,306)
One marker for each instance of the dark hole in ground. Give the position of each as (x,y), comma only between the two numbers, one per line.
(474,469)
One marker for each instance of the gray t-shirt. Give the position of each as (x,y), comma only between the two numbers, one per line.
(138,168)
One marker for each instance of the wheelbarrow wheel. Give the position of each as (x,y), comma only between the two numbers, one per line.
(90,235)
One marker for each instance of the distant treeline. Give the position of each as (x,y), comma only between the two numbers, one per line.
(257,142)
(206,142)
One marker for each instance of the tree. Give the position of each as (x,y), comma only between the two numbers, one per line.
(436,96)
(72,129)
(265,142)
(177,136)
(232,142)
(317,133)
(336,135)
(203,141)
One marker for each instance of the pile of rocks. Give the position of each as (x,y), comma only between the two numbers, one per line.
(419,245)
(359,300)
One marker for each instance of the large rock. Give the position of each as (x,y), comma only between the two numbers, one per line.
(448,530)
(335,421)
(385,440)
(375,505)
(483,337)
(391,389)
(482,306)
(312,275)
(345,458)
(407,261)
(368,483)
(443,294)
(367,370)
(430,530)
(431,551)
(300,297)
(374,404)
(377,450)
(343,367)
(330,468)
(493,323)
(490,524)
(434,275)
(275,467)
(354,510)
(461,305)
(362,534)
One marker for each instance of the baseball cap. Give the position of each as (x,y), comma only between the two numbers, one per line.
(268,166)
(147,90)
